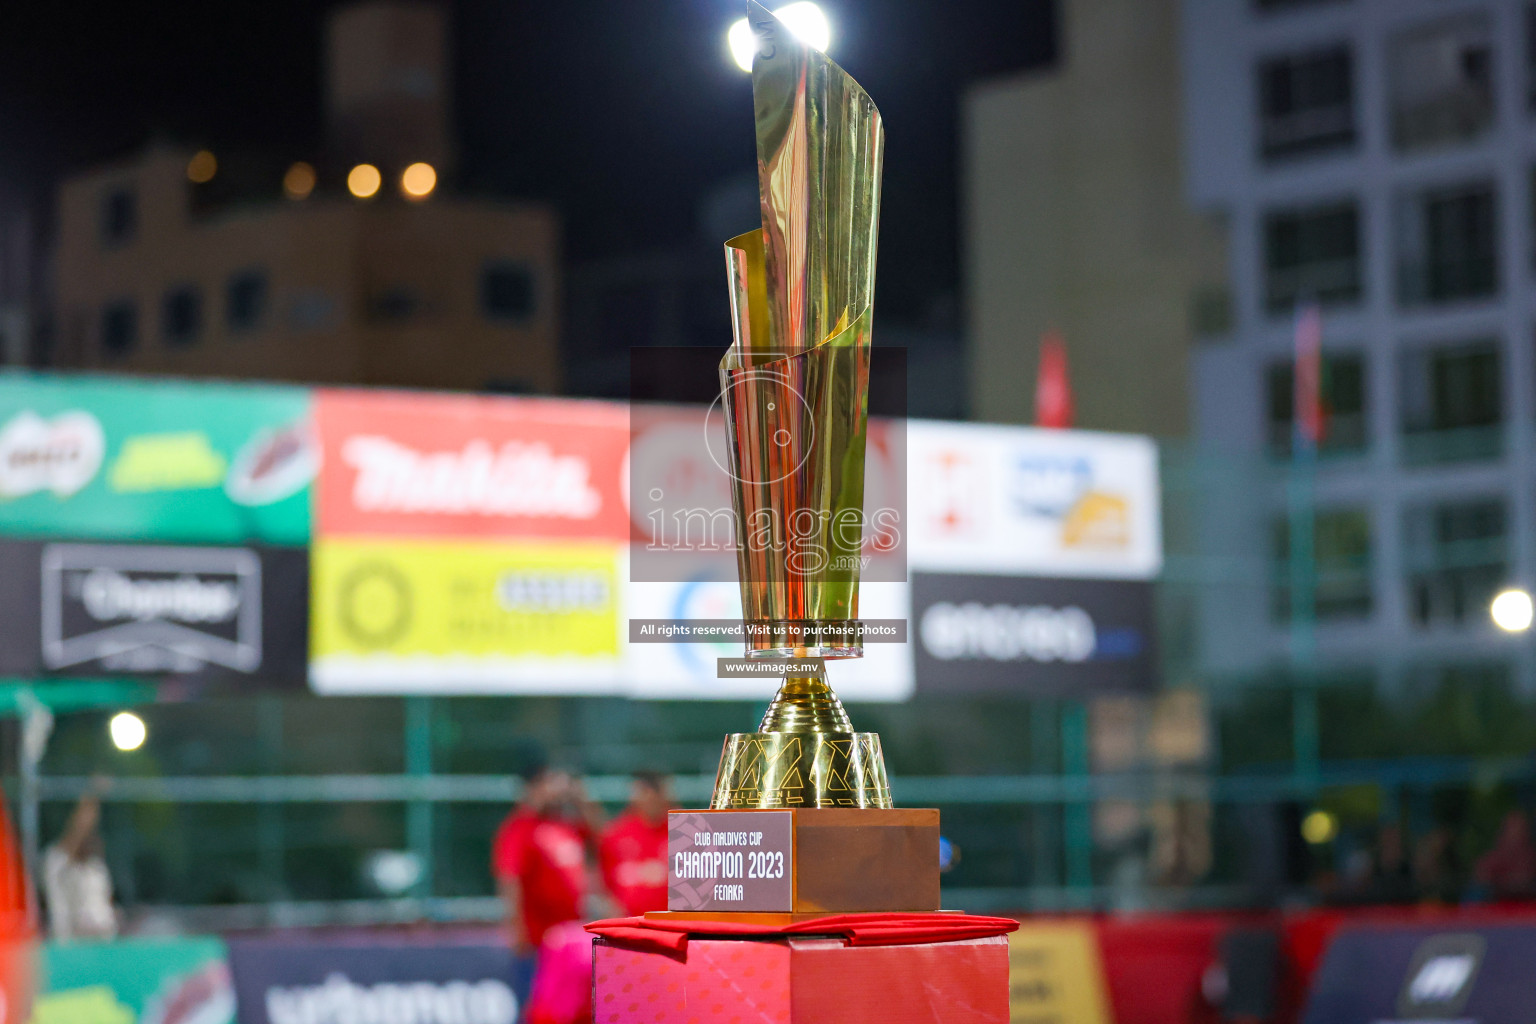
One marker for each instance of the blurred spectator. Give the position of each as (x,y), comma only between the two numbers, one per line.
(539,857)
(1508,871)
(1391,875)
(76,882)
(1436,873)
(633,852)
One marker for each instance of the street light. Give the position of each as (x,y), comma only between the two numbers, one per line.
(806,20)
(418,181)
(364,180)
(1512,610)
(127,731)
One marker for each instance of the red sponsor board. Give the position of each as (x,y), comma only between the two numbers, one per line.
(406,464)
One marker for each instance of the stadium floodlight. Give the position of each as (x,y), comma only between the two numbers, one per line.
(1512,610)
(128,731)
(805,19)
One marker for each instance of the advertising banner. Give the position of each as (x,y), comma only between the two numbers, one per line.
(135,981)
(403,464)
(465,617)
(289,982)
(1017,501)
(119,609)
(123,458)
(1055,974)
(1031,637)
(1384,973)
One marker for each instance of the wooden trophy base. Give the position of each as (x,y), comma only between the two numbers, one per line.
(839,861)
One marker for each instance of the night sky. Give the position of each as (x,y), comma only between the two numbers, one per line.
(622,113)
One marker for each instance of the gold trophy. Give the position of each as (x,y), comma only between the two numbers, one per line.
(795,387)
(801,822)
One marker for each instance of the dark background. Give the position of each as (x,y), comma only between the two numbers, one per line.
(621,113)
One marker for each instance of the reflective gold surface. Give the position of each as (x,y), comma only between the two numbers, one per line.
(765,770)
(795,391)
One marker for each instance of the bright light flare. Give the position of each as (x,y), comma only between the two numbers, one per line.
(299,181)
(127,730)
(202,167)
(806,20)
(364,180)
(1513,611)
(418,181)
(1319,827)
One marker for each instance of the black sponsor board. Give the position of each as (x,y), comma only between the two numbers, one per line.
(1377,974)
(1031,636)
(443,982)
(80,609)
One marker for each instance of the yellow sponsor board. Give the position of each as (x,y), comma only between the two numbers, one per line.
(418,601)
(1054,975)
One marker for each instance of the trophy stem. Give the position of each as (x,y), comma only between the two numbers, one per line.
(806,704)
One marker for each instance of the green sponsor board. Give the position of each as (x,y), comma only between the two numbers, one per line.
(136,981)
(141,459)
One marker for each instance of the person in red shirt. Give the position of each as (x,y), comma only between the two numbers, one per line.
(633,851)
(539,857)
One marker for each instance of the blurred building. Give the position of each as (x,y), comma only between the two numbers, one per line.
(190,262)
(1076,220)
(1374,157)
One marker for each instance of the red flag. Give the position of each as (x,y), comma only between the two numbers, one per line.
(1053,389)
(1308,394)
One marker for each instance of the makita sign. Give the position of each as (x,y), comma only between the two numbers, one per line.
(396,464)
(515,479)
(1031,636)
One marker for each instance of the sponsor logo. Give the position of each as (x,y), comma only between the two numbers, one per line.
(274,464)
(1440,976)
(518,479)
(142,609)
(957,494)
(1001,632)
(60,455)
(181,461)
(340,1000)
(1062,489)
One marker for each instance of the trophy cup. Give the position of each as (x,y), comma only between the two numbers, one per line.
(805,790)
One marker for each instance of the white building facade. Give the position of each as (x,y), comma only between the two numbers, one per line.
(1377,157)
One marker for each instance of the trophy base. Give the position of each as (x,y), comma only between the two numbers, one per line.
(836,861)
(793,770)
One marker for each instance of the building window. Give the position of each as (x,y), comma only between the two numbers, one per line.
(1338,578)
(181,315)
(506,291)
(119,328)
(1441,83)
(1312,253)
(1306,102)
(1447,245)
(1530,56)
(312,309)
(1343,399)
(1452,403)
(1282,5)
(1456,556)
(394,304)
(119,217)
(245,300)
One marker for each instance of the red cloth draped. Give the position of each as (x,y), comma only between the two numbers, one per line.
(671,936)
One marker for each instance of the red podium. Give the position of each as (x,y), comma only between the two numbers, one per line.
(860,969)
